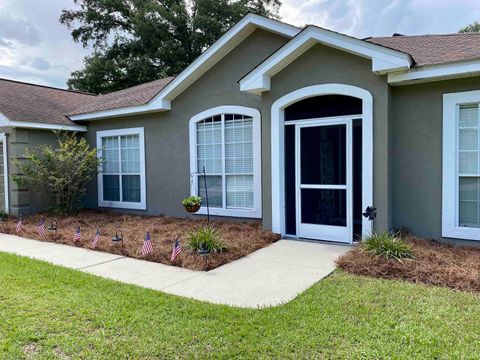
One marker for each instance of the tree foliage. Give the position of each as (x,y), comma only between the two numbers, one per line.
(472,28)
(62,173)
(136,41)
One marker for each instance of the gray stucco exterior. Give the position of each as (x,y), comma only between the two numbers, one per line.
(407,134)
(167,134)
(23,200)
(416,154)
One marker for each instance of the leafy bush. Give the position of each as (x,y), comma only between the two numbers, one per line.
(3,215)
(62,173)
(206,238)
(192,201)
(388,245)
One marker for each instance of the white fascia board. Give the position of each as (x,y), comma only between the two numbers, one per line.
(233,37)
(436,72)
(131,110)
(5,122)
(383,59)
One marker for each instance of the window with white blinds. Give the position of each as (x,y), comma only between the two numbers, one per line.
(224,144)
(122,179)
(469,166)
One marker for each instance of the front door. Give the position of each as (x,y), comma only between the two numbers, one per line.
(324,179)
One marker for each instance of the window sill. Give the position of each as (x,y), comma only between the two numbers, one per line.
(122,205)
(464,233)
(252,214)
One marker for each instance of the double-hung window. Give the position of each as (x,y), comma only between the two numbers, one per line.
(461,166)
(225,142)
(121,182)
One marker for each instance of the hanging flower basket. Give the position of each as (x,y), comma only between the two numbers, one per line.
(192,208)
(192,204)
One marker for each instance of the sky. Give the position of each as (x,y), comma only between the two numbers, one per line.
(35,47)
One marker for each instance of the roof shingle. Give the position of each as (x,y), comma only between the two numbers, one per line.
(133,96)
(21,101)
(434,49)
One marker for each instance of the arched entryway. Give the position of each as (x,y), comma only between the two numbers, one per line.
(322,156)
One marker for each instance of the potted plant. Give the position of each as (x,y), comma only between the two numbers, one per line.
(192,203)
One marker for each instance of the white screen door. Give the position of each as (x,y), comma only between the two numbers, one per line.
(324,180)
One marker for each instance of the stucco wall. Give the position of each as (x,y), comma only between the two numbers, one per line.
(166,134)
(22,200)
(322,65)
(417,153)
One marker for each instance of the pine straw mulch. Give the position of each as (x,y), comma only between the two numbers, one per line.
(434,264)
(239,238)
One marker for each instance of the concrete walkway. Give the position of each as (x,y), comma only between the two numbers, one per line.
(267,277)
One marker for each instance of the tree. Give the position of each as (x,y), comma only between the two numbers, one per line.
(62,173)
(136,41)
(472,28)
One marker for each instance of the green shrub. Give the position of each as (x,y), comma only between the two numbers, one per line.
(206,238)
(3,215)
(62,173)
(388,245)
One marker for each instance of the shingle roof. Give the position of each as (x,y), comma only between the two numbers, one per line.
(434,49)
(136,95)
(21,101)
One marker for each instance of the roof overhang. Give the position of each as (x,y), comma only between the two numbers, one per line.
(233,37)
(436,72)
(6,122)
(384,60)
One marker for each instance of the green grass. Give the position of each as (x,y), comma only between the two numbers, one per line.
(48,311)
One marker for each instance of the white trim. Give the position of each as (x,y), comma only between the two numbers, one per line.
(3,139)
(450,190)
(383,59)
(325,232)
(142,205)
(436,72)
(257,160)
(278,146)
(239,32)
(5,122)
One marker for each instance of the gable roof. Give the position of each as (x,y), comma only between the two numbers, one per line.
(162,101)
(22,104)
(384,59)
(132,96)
(434,49)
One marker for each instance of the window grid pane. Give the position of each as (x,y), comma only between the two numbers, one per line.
(121,155)
(469,166)
(225,148)
(469,141)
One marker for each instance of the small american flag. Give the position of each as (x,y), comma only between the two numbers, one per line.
(95,239)
(19,226)
(41,227)
(147,245)
(77,236)
(176,250)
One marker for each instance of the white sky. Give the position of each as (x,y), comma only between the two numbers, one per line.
(35,47)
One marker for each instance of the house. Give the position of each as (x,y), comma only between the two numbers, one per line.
(300,128)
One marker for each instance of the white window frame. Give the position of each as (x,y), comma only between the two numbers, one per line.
(142,205)
(450,171)
(257,154)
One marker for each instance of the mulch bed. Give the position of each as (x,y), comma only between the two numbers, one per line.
(239,238)
(434,264)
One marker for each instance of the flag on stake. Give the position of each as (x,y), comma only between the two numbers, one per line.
(41,226)
(96,238)
(19,226)
(176,250)
(77,236)
(147,245)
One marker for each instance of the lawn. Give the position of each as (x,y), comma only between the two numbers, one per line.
(48,312)
(239,238)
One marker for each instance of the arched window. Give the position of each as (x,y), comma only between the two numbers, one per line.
(226,142)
